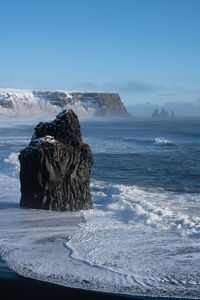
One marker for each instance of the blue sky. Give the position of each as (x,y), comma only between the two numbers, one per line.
(146,50)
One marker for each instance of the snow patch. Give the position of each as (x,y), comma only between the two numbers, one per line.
(15,102)
(45,139)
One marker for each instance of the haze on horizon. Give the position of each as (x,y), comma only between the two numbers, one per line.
(145,50)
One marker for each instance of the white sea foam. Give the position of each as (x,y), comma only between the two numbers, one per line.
(13,160)
(134,233)
(136,206)
(136,241)
(163,141)
(130,243)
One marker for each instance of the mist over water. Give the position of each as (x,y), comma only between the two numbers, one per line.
(143,235)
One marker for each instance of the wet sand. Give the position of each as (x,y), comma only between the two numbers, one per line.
(53,233)
(14,286)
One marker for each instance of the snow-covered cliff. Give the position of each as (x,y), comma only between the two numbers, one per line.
(14,102)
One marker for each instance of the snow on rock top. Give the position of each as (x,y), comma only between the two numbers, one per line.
(46,139)
(16,102)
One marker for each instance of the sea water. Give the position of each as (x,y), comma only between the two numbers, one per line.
(143,236)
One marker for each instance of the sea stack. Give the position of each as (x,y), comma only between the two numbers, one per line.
(55,167)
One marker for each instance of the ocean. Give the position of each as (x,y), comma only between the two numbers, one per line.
(143,236)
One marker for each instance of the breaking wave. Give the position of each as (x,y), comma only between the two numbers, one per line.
(131,230)
(13,160)
(149,207)
(161,141)
(158,141)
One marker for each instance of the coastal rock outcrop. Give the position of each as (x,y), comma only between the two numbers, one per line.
(55,167)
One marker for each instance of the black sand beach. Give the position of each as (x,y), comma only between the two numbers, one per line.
(14,286)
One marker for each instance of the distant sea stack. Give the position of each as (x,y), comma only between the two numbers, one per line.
(14,102)
(164,114)
(55,167)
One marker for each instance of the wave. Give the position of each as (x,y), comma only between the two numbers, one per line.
(161,141)
(149,207)
(158,141)
(139,234)
(13,160)
(135,140)
(131,243)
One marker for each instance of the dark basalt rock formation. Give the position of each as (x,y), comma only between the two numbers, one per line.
(55,167)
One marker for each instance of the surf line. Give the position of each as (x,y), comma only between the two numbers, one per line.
(127,276)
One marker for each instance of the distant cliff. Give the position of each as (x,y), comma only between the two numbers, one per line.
(15,102)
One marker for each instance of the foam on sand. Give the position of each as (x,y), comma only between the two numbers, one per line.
(131,243)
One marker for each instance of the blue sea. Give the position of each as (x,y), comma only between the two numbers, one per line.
(143,236)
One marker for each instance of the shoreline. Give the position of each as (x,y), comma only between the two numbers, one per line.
(25,286)
(15,286)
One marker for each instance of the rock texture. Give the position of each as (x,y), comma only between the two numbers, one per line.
(33,102)
(110,104)
(55,167)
